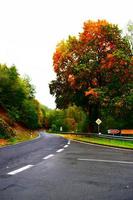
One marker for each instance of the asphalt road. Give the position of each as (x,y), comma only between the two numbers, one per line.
(49,168)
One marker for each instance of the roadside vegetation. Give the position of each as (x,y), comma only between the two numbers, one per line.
(17,98)
(94,79)
(21,136)
(70,119)
(100,141)
(18,107)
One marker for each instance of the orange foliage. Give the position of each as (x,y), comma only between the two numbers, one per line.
(3,142)
(56,67)
(92,29)
(71,79)
(108,62)
(109,56)
(91,92)
(56,59)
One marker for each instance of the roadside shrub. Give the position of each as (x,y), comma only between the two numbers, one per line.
(54,127)
(5,130)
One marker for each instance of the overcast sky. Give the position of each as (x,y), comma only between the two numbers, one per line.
(30,30)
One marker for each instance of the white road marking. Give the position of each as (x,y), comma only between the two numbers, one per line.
(107,161)
(65,146)
(49,156)
(103,146)
(60,150)
(68,142)
(20,169)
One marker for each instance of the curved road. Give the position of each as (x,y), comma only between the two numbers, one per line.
(52,168)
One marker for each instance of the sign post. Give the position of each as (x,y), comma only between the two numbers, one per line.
(98,121)
(61,129)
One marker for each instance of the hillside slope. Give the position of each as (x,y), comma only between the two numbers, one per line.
(21,133)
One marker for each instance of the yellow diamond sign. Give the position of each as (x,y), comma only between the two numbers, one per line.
(98,121)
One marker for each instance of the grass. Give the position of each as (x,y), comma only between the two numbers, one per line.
(22,133)
(3,142)
(101,141)
(21,136)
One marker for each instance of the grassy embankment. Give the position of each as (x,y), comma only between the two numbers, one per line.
(101,141)
(21,136)
(21,133)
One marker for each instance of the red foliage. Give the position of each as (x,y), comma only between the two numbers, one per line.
(94,82)
(56,60)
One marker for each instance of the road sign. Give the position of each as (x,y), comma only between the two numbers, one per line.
(113,131)
(98,121)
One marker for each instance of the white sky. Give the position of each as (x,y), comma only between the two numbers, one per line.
(30,30)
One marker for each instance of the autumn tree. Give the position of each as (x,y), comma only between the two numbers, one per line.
(71,119)
(75,119)
(94,71)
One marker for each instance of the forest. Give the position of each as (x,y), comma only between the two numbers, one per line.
(94,79)
(17,98)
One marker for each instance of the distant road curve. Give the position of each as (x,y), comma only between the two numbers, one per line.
(20,154)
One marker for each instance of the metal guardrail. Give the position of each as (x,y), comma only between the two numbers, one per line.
(78,133)
(116,137)
(101,135)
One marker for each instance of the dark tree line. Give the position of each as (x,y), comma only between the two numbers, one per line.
(17,98)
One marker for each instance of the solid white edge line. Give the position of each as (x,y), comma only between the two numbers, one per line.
(107,161)
(49,156)
(102,146)
(60,150)
(20,169)
(68,142)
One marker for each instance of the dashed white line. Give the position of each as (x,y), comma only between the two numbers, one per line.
(60,150)
(49,156)
(29,166)
(107,161)
(20,169)
(66,146)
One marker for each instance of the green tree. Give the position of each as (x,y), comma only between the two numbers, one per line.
(17,97)
(75,119)
(13,88)
(29,114)
(130,33)
(71,119)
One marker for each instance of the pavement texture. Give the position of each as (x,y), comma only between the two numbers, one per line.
(72,171)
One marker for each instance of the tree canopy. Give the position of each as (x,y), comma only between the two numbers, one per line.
(94,71)
(17,97)
(130,33)
(71,119)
